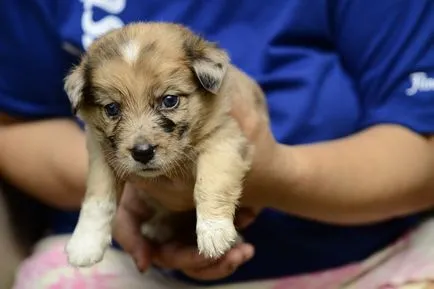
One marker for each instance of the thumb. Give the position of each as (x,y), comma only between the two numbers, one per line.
(132,212)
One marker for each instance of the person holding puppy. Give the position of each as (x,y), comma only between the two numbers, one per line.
(343,175)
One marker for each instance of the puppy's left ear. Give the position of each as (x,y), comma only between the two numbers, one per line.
(208,61)
(73,85)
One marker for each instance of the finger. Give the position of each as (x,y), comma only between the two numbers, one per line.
(127,233)
(179,257)
(226,266)
(129,217)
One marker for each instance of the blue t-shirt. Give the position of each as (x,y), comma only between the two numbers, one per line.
(329,69)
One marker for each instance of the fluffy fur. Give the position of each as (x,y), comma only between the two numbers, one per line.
(155,98)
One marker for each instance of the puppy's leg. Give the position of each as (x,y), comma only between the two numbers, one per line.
(92,234)
(222,166)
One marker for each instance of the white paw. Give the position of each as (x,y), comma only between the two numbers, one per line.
(86,248)
(215,237)
(156,231)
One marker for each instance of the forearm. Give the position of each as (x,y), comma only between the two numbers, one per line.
(46,159)
(383,172)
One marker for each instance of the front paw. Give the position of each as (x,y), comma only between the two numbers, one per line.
(215,237)
(86,248)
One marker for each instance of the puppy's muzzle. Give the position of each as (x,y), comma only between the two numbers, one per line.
(143,153)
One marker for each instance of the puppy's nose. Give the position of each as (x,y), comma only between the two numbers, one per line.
(143,153)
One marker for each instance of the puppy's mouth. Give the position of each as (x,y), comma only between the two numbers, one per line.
(149,169)
(148,172)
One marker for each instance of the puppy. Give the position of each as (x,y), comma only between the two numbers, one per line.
(155,98)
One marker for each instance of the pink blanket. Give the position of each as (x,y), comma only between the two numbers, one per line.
(409,260)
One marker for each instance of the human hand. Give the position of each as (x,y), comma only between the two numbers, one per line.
(132,212)
(186,259)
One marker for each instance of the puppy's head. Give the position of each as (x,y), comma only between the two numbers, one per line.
(149,92)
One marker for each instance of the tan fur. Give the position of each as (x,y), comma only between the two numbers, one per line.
(204,140)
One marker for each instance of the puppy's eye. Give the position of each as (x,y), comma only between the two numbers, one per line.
(170,101)
(112,109)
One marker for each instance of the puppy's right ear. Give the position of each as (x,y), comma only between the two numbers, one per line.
(208,61)
(73,85)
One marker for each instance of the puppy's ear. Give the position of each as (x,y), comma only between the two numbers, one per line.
(73,85)
(208,61)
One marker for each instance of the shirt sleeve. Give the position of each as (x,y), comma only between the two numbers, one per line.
(32,62)
(387,48)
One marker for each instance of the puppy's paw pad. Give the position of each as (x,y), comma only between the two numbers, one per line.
(85,250)
(215,237)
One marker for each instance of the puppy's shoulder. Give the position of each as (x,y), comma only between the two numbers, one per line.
(245,90)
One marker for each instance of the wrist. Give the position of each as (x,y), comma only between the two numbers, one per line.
(283,177)
(268,184)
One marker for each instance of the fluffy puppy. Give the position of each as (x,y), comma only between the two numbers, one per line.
(155,98)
